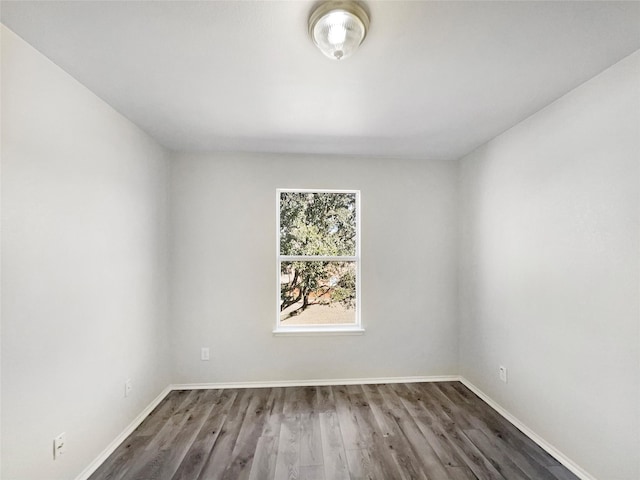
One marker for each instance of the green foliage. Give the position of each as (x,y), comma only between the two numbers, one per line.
(317,224)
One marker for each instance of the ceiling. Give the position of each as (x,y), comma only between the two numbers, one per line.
(432,79)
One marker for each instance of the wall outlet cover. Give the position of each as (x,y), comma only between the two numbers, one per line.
(502,371)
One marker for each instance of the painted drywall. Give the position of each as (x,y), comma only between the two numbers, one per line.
(223,268)
(84,268)
(549,278)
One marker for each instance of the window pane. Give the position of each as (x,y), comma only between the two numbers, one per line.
(317,223)
(316,293)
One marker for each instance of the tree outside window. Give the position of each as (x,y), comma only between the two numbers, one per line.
(318,258)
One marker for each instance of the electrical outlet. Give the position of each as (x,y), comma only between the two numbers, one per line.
(502,371)
(128,386)
(204,354)
(59,445)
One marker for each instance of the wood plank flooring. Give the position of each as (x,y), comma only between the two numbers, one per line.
(434,431)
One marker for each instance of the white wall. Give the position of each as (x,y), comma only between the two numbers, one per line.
(223,268)
(549,271)
(83,268)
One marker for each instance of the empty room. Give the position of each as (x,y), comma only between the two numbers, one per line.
(321,240)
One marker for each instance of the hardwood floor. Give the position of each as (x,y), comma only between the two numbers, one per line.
(434,431)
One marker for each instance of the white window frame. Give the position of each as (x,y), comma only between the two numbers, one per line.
(320,329)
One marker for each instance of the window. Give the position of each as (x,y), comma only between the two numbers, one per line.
(318,255)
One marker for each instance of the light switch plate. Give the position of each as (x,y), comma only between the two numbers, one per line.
(59,445)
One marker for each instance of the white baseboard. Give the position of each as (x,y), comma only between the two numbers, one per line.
(93,466)
(312,383)
(550,449)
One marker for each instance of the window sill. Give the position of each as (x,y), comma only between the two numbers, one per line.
(317,331)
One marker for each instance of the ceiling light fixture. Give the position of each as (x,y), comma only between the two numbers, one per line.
(338,28)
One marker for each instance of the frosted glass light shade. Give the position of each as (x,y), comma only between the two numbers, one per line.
(338,28)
